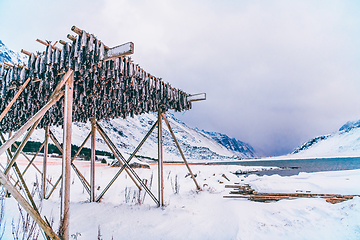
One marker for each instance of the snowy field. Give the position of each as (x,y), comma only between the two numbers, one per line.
(202,215)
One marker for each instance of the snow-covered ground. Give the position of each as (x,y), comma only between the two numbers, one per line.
(190,214)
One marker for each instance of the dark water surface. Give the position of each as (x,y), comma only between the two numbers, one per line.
(293,167)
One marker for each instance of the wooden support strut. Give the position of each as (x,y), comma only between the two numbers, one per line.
(10,156)
(6,110)
(33,122)
(122,160)
(92,160)
(28,208)
(78,173)
(46,148)
(160,161)
(20,178)
(30,161)
(22,181)
(181,152)
(116,153)
(128,161)
(66,161)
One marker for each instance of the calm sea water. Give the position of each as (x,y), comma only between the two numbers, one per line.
(293,167)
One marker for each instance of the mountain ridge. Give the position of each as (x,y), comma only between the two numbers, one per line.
(344,142)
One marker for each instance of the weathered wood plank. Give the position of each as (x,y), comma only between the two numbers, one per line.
(119,51)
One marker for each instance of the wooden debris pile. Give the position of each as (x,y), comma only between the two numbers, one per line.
(245,191)
(107,84)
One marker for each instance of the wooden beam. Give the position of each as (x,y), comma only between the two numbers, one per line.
(119,51)
(26,52)
(71,37)
(160,161)
(66,161)
(92,161)
(79,32)
(46,149)
(196,97)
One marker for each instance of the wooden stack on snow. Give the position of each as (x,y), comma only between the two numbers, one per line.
(245,191)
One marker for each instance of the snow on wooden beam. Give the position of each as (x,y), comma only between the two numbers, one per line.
(119,51)
(196,97)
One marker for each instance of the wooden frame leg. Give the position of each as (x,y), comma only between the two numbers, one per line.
(66,162)
(92,165)
(181,152)
(46,150)
(160,161)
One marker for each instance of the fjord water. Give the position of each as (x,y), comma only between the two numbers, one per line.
(293,167)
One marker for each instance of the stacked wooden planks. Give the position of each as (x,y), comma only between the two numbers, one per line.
(245,191)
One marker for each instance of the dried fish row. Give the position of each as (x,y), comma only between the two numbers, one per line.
(103,89)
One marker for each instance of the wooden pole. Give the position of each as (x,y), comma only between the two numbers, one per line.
(71,37)
(160,161)
(78,31)
(181,152)
(66,161)
(46,149)
(92,165)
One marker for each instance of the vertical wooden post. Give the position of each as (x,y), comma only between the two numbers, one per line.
(46,148)
(8,161)
(160,161)
(66,161)
(92,166)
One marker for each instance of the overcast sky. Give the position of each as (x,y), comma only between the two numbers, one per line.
(276,73)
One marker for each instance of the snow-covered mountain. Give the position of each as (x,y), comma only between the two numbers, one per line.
(127,133)
(9,56)
(238,147)
(344,142)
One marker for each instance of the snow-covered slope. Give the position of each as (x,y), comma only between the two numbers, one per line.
(345,142)
(127,134)
(9,56)
(238,147)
